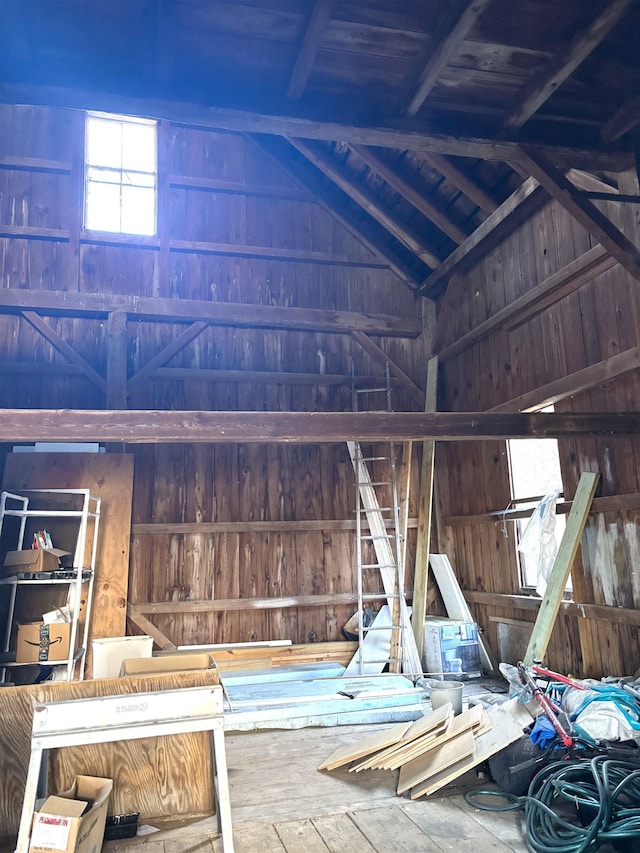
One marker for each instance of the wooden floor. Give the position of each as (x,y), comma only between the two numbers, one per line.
(280,802)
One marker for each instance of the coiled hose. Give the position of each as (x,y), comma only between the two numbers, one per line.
(577,806)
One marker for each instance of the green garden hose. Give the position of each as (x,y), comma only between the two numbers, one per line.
(577,806)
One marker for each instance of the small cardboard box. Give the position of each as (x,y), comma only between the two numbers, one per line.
(42,643)
(168,663)
(74,821)
(32,560)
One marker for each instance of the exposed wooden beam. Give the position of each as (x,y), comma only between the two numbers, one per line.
(35,164)
(64,349)
(266,377)
(166,354)
(495,227)
(425,506)
(624,120)
(610,503)
(141,621)
(368,201)
(309,45)
(565,63)
(587,214)
(302,525)
(162,427)
(72,304)
(539,298)
(461,180)
(443,53)
(272,253)
(217,185)
(371,347)
(117,360)
(221,605)
(408,191)
(586,181)
(332,200)
(31,232)
(448,306)
(400,135)
(575,383)
(603,612)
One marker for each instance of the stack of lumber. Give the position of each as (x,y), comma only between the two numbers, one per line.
(435,750)
(250,657)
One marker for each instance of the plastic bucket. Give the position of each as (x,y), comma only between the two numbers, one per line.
(441,692)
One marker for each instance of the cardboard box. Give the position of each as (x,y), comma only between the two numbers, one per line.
(168,663)
(42,643)
(74,821)
(451,649)
(32,560)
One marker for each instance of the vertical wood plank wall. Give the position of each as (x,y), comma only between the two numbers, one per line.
(589,325)
(175,484)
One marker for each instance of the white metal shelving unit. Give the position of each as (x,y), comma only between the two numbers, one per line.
(20,506)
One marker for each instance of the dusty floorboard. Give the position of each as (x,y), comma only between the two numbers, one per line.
(280,802)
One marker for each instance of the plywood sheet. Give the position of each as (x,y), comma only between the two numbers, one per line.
(436,760)
(374,743)
(152,775)
(109,476)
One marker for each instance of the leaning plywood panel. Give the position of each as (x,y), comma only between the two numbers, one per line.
(109,476)
(507,724)
(154,776)
(352,751)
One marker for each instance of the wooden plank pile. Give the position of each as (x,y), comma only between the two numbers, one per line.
(436,749)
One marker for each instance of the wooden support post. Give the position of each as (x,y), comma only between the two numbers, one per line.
(420,582)
(117,360)
(557,583)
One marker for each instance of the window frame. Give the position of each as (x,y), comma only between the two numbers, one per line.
(524,583)
(152,181)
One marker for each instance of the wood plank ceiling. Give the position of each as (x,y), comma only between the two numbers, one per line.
(419,124)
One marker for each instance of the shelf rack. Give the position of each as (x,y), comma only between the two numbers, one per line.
(20,506)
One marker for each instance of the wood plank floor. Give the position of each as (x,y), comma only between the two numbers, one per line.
(281,802)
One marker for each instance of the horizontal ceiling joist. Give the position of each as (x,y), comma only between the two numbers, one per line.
(173,427)
(74,304)
(403,133)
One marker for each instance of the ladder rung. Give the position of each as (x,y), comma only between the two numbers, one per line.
(375,458)
(378,566)
(383,628)
(370,390)
(384,660)
(380,536)
(379,509)
(378,596)
(375,482)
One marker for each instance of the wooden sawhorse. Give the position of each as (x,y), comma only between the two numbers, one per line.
(135,715)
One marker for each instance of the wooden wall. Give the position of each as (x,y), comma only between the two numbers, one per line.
(587,326)
(206,232)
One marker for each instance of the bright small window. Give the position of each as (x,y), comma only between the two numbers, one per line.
(120,174)
(535,472)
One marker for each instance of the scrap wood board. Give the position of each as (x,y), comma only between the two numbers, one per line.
(454,750)
(421,742)
(374,743)
(413,769)
(432,724)
(508,721)
(477,725)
